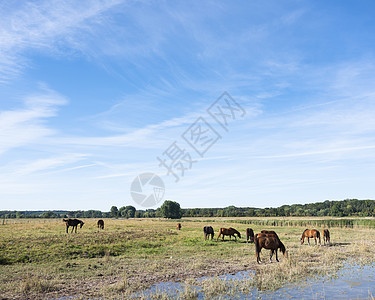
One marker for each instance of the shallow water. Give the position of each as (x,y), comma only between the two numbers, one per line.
(352,282)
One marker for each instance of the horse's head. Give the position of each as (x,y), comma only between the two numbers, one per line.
(81,224)
(302,240)
(282,248)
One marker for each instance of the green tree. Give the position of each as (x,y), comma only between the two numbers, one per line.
(127,211)
(19,214)
(114,212)
(171,209)
(48,214)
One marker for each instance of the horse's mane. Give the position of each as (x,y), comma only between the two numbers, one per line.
(303,233)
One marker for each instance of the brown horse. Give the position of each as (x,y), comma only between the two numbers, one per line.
(74,223)
(249,235)
(100,224)
(228,231)
(268,241)
(326,236)
(310,233)
(208,231)
(269,232)
(178,227)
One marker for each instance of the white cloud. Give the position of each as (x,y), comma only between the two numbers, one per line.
(20,127)
(42,26)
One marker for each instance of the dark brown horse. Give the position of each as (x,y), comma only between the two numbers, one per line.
(310,233)
(269,232)
(249,235)
(74,223)
(178,227)
(208,231)
(268,241)
(228,231)
(100,224)
(326,236)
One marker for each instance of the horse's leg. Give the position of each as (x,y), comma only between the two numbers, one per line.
(67,226)
(315,240)
(271,254)
(258,257)
(276,256)
(308,239)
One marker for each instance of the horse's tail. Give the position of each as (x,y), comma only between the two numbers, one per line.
(257,246)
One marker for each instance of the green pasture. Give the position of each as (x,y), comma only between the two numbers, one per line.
(38,257)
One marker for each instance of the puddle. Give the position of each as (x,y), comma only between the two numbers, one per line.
(352,282)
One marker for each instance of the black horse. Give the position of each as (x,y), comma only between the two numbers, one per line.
(100,224)
(74,223)
(249,235)
(208,230)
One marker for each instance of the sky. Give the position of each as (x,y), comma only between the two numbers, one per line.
(93,94)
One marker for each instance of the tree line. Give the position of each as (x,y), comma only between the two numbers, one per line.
(171,209)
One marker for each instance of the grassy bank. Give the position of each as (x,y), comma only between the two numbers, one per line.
(38,259)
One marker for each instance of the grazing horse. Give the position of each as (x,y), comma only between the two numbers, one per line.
(178,227)
(249,235)
(269,232)
(100,224)
(310,233)
(268,241)
(326,236)
(228,231)
(208,230)
(74,223)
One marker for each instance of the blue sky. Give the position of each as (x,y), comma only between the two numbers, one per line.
(92,92)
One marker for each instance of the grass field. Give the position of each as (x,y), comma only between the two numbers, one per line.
(39,260)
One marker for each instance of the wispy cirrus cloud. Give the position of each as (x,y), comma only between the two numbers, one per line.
(25,125)
(43,26)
